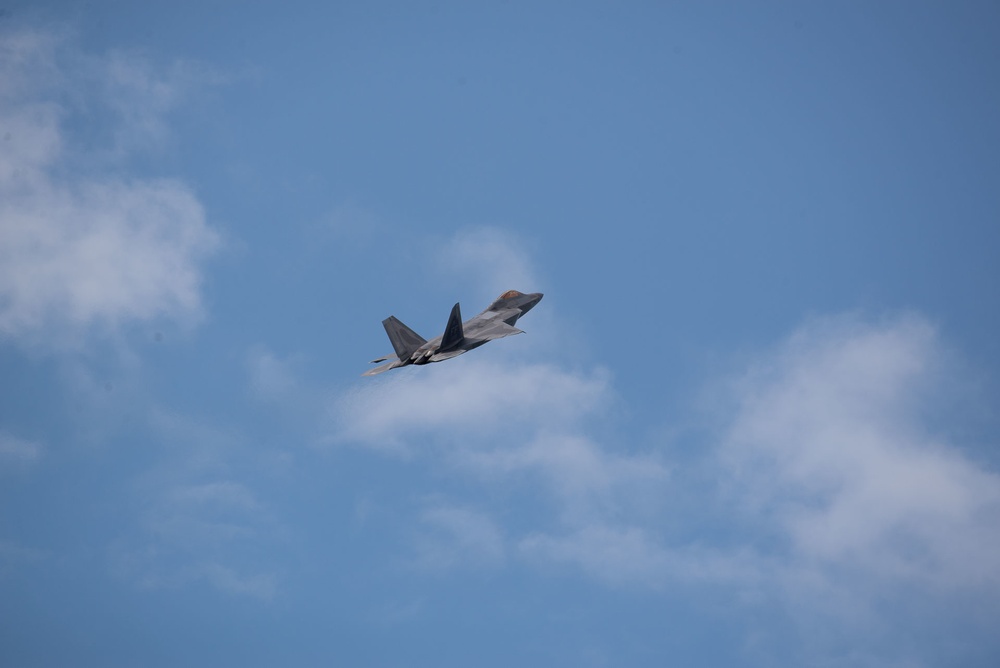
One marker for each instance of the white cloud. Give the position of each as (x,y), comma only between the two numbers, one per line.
(503,421)
(472,399)
(832,503)
(80,245)
(102,253)
(830,480)
(828,444)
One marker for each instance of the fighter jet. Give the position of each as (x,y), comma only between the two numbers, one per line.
(496,322)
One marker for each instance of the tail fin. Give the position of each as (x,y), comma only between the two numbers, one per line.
(404,340)
(453,333)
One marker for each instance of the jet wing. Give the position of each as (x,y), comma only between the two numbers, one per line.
(497,330)
(384,358)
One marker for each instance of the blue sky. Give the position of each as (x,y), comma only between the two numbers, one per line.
(753,422)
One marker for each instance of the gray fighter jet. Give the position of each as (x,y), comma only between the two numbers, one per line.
(496,322)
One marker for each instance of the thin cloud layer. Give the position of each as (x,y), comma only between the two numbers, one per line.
(467,398)
(81,247)
(635,556)
(522,423)
(455,537)
(197,515)
(498,421)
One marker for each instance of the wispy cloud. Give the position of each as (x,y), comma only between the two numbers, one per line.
(468,399)
(451,536)
(219,494)
(489,260)
(271,378)
(17,453)
(197,532)
(80,245)
(199,519)
(636,556)
(152,568)
(262,586)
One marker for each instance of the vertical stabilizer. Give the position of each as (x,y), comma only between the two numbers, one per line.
(453,333)
(404,340)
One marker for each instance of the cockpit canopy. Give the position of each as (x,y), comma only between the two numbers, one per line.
(510,294)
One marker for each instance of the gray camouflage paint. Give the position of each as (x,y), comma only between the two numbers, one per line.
(496,322)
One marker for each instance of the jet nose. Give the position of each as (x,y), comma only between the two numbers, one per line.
(529,303)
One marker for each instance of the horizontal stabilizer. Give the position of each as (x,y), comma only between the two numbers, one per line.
(453,335)
(385,367)
(404,340)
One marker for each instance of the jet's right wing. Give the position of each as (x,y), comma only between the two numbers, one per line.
(497,330)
